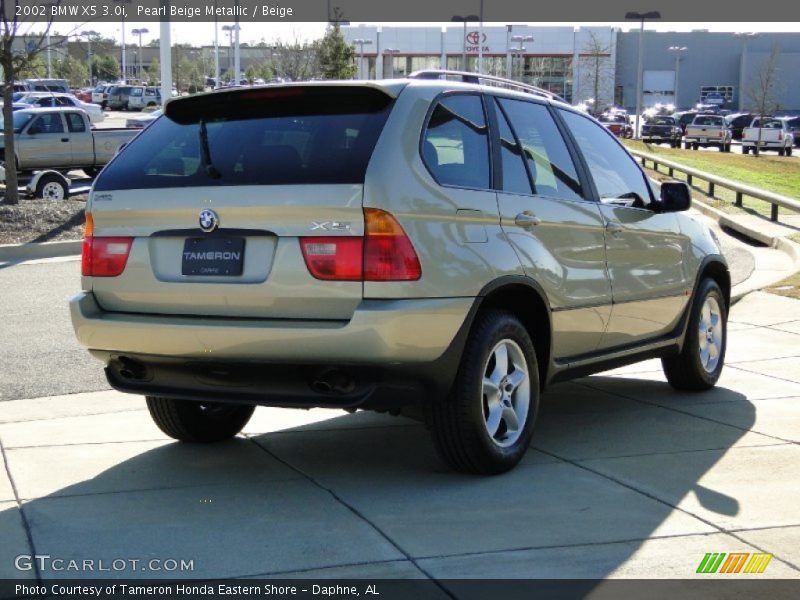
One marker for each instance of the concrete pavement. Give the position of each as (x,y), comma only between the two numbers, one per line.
(626,478)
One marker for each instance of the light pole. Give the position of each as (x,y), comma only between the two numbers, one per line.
(746,37)
(361,43)
(641,17)
(465,20)
(140,33)
(520,39)
(124,49)
(677,51)
(89,35)
(391,52)
(229,29)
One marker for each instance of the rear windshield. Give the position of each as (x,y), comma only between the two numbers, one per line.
(708,121)
(279,136)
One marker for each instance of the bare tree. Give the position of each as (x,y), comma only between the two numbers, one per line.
(763,91)
(22,41)
(597,70)
(296,60)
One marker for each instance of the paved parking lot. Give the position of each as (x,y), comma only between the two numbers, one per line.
(626,478)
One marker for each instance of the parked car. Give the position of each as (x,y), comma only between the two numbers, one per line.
(684,118)
(793,123)
(100,95)
(659,130)
(84,95)
(736,122)
(407,268)
(768,134)
(706,131)
(48,85)
(62,139)
(617,124)
(44,100)
(118,96)
(715,99)
(144,97)
(143,121)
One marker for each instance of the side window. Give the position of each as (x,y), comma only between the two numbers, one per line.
(546,154)
(515,175)
(455,145)
(47,123)
(615,174)
(75,123)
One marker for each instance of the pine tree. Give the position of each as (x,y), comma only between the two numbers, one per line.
(334,55)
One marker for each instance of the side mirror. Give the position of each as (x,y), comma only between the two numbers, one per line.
(675,197)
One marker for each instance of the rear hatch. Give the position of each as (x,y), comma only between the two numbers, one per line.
(216,227)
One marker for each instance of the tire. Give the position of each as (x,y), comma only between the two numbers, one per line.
(191,421)
(687,145)
(788,150)
(91,172)
(721,147)
(781,151)
(745,149)
(690,370)
(51,187)
(470,436)
(695,146)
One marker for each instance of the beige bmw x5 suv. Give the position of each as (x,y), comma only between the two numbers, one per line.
(444,246)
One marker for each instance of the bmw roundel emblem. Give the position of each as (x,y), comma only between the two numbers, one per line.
(208,220)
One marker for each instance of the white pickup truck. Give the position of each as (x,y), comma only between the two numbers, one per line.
(708,130)
(775,135)
(62,139)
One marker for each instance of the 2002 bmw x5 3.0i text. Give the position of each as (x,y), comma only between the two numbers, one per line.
(443,248)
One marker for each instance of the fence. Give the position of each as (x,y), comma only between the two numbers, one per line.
(712,181)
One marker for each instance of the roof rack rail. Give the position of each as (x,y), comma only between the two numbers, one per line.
(481,79)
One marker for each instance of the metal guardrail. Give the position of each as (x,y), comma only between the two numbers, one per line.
(741,190)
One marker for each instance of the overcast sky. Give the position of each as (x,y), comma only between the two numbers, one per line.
(203,33)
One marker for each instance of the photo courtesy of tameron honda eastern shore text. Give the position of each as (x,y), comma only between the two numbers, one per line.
(443,246)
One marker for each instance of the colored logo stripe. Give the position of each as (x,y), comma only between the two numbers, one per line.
(713,562)
(710,562)
(758,562)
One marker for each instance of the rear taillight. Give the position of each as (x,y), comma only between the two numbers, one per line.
(384,253)
(103,256)
(334,258)
(388,253)
(780,136)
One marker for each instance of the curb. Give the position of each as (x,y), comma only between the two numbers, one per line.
(32,251)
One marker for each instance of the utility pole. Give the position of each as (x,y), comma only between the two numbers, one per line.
(520,39)
(639,16)
(361,43)
(677,51)
(140,33)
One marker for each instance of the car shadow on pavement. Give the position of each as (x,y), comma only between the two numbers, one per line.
(364,495)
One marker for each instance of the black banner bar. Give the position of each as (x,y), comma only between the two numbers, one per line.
(709,587)
(388,11)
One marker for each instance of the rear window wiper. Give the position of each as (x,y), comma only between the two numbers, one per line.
(205,152)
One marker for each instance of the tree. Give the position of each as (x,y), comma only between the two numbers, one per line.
(251,73)
(295,60)
(597,72)
(106,68)
(20,47)
(153,72)
(763,92)
(71,69)
(334,55)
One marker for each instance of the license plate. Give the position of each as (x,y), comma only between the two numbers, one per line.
(213,256)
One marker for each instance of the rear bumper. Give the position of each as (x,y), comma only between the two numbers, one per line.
(380,331)
(391,353)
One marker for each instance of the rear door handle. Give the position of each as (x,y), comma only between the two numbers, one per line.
(614,227)
(526,219)
(64,139)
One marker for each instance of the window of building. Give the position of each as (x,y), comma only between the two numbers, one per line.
(456,143)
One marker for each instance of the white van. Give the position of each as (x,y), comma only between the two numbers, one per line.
(142,97)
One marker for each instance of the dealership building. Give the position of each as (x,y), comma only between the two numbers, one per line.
(585,63)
